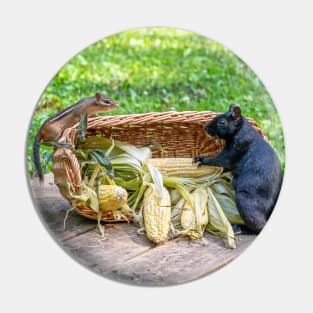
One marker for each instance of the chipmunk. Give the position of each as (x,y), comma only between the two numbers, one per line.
(53,127)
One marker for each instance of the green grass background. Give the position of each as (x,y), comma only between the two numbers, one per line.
(159,69)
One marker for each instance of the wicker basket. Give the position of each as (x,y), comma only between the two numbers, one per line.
(181,134)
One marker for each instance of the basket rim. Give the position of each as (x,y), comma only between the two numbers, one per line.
(168,117)
(183,117)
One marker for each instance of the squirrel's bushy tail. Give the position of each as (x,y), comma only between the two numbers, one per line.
(36,158)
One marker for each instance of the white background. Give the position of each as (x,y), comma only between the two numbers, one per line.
(274,38)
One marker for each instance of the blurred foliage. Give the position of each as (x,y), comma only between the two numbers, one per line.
(159,69)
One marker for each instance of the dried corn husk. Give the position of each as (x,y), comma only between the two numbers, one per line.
(87,196)
(219,224)
(194,217)
(176,214)
(175,196)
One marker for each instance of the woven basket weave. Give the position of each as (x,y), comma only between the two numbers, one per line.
(181,134)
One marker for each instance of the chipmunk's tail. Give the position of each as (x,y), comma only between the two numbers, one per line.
(36,158)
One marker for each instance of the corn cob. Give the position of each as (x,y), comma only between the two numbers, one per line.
(201,209)
(187,218)
(182,167)
(111,197)
(195,217)
(157,214)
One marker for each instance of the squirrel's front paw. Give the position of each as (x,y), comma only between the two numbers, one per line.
(197,159)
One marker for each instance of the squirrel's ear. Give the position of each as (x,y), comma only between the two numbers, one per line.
(235,111)
(98,96)
(231,107)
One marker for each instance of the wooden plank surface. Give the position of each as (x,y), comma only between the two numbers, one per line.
(179,261)
(52,211)
(52,208)
(125,256)
(120,244)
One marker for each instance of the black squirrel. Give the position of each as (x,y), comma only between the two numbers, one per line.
(255,167)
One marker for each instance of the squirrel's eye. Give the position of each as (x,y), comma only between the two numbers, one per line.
(221,123)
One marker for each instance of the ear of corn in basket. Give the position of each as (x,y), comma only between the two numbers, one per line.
(183,167)
(111,197)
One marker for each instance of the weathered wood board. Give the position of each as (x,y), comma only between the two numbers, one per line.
(120,244)
(179,261)
(125,256)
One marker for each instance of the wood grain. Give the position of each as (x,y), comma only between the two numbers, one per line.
(52,211)
(125,256)
(120,244)
(178,261)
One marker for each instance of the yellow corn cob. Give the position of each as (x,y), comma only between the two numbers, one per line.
(201,208)
(157,214)
(195,216)
(187,218)
(111,197)
(182,167)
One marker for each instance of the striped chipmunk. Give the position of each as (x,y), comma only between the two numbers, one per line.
(53,127)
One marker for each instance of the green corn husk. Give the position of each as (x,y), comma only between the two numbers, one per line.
(87,196)
(179,184)
(124,161)
(134,171)
(229,208)
(127,161)
(225,195)
(222,186)
(217,218)
(218,222)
